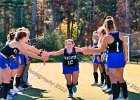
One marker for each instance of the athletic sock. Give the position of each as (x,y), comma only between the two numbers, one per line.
(5,90)
(69,87)
(124,90)
(119,86)
(0,90)
(102,78)
(108,81)
(11,83)
(115,90)
(95,74)
(105,78)
(18,81)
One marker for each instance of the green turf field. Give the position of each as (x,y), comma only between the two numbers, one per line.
(50,83)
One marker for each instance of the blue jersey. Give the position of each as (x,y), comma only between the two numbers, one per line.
(117,45)
(7,51)
(70,60)
(5,54)
(115,52)
(95,44)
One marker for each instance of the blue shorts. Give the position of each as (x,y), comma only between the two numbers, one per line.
(13,62)
(3,62)
(69,70)
(95,60)
(115,60)
(105,61)
(22,59)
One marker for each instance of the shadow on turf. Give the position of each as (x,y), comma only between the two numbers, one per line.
(77,98)
(133,95)
(33,94)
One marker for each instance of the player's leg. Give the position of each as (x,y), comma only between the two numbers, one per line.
(107,88)
(102,73)
(6,76)
(95,74)
(115,88)
(69,84)
(122,82)
(75,76)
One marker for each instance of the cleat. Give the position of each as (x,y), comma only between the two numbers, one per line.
(94,84)
(74,88)
(70,95)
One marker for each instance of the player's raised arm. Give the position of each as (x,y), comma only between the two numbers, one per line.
(55,53)
(89,50)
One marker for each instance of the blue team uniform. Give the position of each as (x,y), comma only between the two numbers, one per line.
(22,58)
(115,52)
(95,60)
(13,62)
(70,62)
(5,55)
(104,55)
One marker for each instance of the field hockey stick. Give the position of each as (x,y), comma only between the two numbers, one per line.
(37,71)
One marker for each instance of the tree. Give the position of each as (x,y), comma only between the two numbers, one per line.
(33,20)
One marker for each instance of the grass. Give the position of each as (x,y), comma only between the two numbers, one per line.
(50,84)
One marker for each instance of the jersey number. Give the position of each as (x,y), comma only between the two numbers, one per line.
(117,49)
(70,62)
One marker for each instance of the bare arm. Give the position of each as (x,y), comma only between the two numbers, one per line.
(78,49)
(31,49)
(125,47)
(24,51)
(55,53)
(93,50)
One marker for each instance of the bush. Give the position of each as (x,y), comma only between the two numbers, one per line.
(51,42)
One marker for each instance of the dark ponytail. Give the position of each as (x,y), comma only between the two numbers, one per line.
(20,35)
(110,24)
(103,31)
(11,36)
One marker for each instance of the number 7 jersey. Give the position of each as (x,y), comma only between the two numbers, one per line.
(70,60)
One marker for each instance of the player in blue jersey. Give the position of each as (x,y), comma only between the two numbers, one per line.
(96,62)
(107,87)
(13,61)
(70,65)
(117,57)
(12,49)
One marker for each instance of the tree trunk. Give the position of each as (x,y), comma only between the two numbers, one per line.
(5,27)
(21,14)
(68,25)
(94,9)
(33,21)
(128,29)
(78,21)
